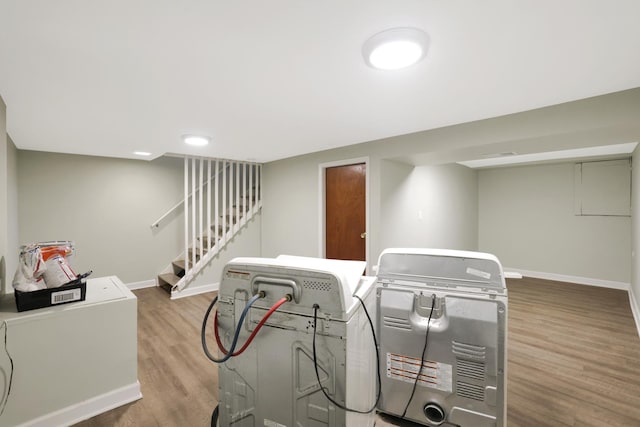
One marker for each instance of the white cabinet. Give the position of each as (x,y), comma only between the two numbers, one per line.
(71,361)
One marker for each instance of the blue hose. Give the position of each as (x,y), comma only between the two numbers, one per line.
(235,335)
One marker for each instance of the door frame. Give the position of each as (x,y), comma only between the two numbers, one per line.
(322,203)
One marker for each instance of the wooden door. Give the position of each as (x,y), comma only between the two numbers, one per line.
(345,215)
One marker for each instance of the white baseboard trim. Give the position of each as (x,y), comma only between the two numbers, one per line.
(89,408)
(512,275)
(187,292)
(635,309)
(573,279)
(140,285)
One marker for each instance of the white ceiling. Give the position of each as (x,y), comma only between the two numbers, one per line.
(273,79)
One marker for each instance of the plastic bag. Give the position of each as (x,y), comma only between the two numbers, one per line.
(31,267)
(44,265)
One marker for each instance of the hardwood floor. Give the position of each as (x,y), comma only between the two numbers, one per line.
(573,352)
(574,356)
(179,384)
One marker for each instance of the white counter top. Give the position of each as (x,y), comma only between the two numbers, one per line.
(99,290)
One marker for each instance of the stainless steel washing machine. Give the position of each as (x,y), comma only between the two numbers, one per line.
(274,382)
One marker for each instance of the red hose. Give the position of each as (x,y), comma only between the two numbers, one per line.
(273,308)
(215,330)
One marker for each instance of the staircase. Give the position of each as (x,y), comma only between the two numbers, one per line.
(220,197)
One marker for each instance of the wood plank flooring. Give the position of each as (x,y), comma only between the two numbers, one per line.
(573,352)
(574,356)
(179,384)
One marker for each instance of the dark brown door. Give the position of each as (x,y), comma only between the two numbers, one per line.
(345,201)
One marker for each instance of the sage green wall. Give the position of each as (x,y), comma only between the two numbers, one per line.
(635,235)
(527,219)
(4,201)
(8,206)
(106,206)
(13,243)
(429,206)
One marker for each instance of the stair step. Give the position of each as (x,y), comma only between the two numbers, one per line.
(234,210)
(167,281)
(169,278)
(245,205)
(179,267)
(220,229)
(204,252)
(251,199)
(230,218)
(244,209)
(205,241)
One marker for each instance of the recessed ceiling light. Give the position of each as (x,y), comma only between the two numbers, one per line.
(142,153)
(195,140)
(395,48)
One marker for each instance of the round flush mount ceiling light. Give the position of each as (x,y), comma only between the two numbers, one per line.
(395,48)
(196,140)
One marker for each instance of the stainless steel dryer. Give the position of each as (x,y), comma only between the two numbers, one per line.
(456,303)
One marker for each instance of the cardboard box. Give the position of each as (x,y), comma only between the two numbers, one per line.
(72,292)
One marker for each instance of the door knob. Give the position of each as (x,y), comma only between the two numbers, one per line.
(363,235)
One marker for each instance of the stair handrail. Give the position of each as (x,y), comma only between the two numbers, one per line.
(157,222)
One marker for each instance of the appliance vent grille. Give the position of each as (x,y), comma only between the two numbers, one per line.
(469,369)
(470,391)
(395,322)
(469,351)
(316,285)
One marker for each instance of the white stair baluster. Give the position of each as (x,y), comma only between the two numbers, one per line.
(193,210)
(210,180)
(224,202)
(186,214)
(250,200)
(236,210)
(217,203)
